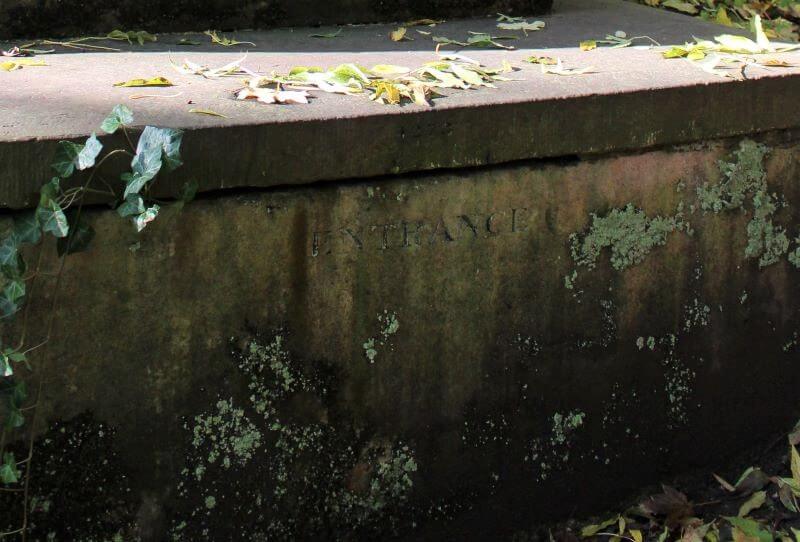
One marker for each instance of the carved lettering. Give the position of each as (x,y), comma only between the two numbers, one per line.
(405,234)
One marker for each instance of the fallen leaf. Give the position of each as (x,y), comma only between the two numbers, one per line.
(152,82)
(755,502)
(542,60)
(190,68)
(670,504)
(751,480)
(327,36)
(522,25)
(388,70)
(559,69)
(208,112)
(636,535)
(19,63)
(225,41)
(187,41)
(725,485)
(591,530)
(272,96)
(399,34)
(795,464)
(139,36)
(588,45)
(424,22)
(680,5)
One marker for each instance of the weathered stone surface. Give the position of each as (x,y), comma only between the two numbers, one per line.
(25,18)
(438,304)
(635,100)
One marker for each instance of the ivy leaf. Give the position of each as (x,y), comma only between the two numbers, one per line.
(9,249)
(133,183)
(8,471)
(66,158)
(120,116)
(146,217)
(82,235)
(156,147)
(52,219)
(27,229)
(88,154)
(133,205)
(187,194)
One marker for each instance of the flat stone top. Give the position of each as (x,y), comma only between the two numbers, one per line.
(633,99)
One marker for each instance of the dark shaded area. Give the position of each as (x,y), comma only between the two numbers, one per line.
(79,489)
(78,17)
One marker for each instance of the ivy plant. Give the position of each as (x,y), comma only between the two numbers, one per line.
(58,220)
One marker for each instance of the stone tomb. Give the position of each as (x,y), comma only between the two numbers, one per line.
(445,328)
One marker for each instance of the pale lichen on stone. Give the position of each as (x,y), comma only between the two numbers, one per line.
(743,179)
(628,233)
(389,324)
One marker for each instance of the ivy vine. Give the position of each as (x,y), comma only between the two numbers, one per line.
(59,216)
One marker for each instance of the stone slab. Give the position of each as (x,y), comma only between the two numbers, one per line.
(635,100)
(25,18)
(433,310)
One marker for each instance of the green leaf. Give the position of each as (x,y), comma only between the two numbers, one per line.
(156,147)
(82,235)
(146,217)
(52,219)
(188,191)
(753,503)
(6,369)
(66,158)
(680,5)
(796,533)
(591,530)
(88,154)
(751,528)
(27,229)
(795,464)
(15,418)
(9,249)
(134,183)
(9,474)
(14,290)
(133,205)
(120,116)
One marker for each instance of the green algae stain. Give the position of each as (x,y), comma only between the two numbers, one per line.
(628,233)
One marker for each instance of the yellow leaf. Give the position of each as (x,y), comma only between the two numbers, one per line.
(208,112)
(723,18)
(399,34)
(153,82)
(636,535)
(19,63)
(588,45)
(591,530)
(753,503)
(387,70)
(542,60)
(795,463)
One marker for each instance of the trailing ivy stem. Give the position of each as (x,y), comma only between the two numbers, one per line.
(50,326)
